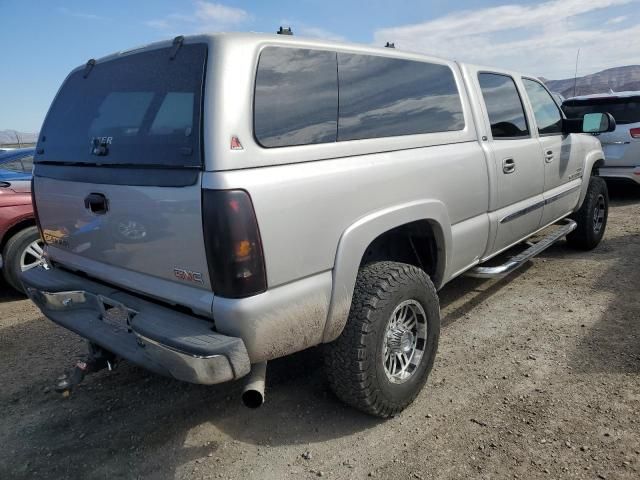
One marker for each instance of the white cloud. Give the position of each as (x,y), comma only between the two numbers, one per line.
(85,16)
(540,39)
(206,16)
(614,20)
(158,23)
(218,13)
(305,30)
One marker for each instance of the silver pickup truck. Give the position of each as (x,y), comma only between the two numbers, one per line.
(214,202)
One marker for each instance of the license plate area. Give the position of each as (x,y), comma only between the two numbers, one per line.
(115,314)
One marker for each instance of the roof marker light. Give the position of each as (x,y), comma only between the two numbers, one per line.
(285,31)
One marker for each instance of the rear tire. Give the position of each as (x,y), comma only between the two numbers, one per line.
(591,217)
(18,253)
(380,362)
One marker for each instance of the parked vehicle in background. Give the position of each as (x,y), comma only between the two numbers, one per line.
(16,164)
(221,220)
(622,146)
(20,241)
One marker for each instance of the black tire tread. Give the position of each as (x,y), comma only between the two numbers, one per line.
(348,368)
(583,237)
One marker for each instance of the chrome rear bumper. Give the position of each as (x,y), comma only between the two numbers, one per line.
(153,336)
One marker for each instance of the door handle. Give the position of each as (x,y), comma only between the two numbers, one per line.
(548,156)
(96,203)
(508,165)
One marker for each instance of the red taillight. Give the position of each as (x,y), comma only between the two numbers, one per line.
(35,209)
(232,242)
(635,132)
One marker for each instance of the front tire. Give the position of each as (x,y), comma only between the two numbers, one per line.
(22,252)
(591,217)
(386,351)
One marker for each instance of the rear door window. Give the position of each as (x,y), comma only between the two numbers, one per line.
(624,110)
(504,106)
(545,110)
(145,107)
(296,97)
(384,97)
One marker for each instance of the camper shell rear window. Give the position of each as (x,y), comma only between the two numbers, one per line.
(142,109)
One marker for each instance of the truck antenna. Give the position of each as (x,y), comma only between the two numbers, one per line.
(575,75)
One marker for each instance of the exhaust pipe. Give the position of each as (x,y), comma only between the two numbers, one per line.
(253,393)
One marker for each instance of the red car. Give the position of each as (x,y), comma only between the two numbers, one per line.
(20,241)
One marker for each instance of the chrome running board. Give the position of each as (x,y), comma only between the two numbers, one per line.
(513,263)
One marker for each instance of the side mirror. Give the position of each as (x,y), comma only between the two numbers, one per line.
(598,123)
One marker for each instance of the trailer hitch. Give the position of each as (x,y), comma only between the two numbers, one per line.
(97,359)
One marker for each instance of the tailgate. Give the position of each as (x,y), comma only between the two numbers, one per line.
(146,229)
(117,170)
(620,148)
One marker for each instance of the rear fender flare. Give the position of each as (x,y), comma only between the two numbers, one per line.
(357,237)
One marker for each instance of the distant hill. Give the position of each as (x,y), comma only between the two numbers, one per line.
(618,79)
(9,137)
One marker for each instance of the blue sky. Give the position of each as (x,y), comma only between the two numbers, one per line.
(42,40)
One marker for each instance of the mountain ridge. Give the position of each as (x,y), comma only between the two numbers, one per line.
(10,137)
(618,79)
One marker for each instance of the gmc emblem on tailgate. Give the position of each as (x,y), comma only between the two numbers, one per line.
(188,275)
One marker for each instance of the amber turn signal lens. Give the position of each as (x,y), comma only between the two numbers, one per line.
(243,249)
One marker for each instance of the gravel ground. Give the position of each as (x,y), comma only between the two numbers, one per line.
(537,376)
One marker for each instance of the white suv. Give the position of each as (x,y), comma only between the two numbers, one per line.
(621,146)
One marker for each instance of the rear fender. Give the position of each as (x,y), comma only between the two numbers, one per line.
(355,240)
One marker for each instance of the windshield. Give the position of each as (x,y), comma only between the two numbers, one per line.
(624,110)
(142,109)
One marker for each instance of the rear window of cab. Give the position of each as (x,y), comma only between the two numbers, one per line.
(143,108)
(305,97)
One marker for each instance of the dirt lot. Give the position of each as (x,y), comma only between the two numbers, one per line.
(537,376)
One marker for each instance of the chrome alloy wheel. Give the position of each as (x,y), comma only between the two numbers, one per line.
(32,256)
(405,341)
(598,214)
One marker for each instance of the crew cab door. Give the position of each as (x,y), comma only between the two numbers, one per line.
(561,154)
(518,171)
